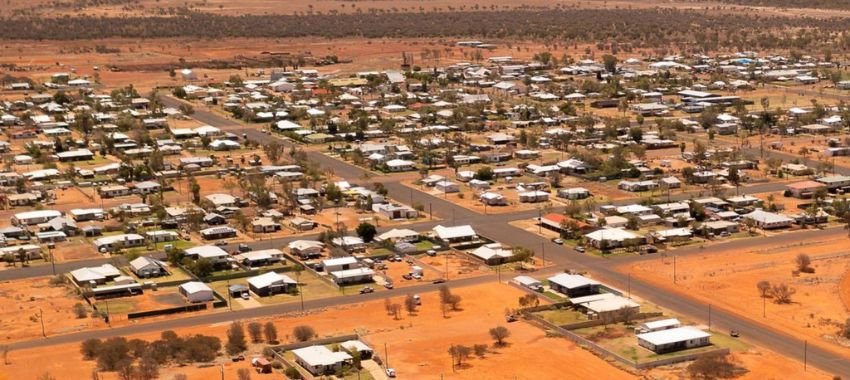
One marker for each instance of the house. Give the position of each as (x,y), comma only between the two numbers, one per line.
(395,211)
(302,224)
(718,227)
(605,306)
(220,232)
(493,254)
(447,187)
(743,200)
(147,187)
(350,243)
(493,199)
(319,360)
(533,196)
(675,339)
(573,285)
(264,225)
(768,220)
(209,252)
(113,191)
(306,249)
(95,275)
(146,267)
(196,292)
(75,155)
(352,276)
(399,234)
(29,218)
(612,238)
(455,234)
(835,182)
(805,189)
(271,283)
(637,186)
(219,200)
(25,199)
(398,165)
(574,193)
(31,251)
(500,139)
(340,263)
(796,169)
(115,242)
(261,257)
(160,236)
(86,214)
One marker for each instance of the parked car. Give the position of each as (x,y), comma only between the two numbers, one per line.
(558,241)
(407,276)
(580,249)
(388,285)
(221,243)
(390,372)
(367,289)
(246,296)
(734,333)
(439,281)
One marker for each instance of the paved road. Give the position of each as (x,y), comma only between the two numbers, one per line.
(227,316)
(487,225)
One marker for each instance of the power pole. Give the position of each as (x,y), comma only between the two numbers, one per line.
(805,355)
(674,269)
(709,317)
(41,318)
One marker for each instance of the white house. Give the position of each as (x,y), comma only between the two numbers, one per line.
(319,360)
(675,339)
(115,242)
(455,234)
(270,283)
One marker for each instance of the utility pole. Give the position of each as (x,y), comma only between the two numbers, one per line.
(539,221)
(764,307)
(386,356)
(543,252)
(41,318)
(709,317)
(108,322)
(229,300)
(629,286)
(674,269)
(430,211)
(805,355)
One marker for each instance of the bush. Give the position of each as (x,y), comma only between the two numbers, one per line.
(80,310)
(292,373)
(303,333)
(89,348)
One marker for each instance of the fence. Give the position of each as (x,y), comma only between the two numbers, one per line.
(315,342)
(606,354)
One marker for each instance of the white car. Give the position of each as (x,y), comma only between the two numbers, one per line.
(390,372)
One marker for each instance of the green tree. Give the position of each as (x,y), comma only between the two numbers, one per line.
(366,231)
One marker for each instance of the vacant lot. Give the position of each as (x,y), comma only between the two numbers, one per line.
(728,278)
(27,301)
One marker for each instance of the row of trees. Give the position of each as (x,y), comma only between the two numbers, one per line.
(650,28)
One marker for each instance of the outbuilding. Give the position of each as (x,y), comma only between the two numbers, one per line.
(196,292)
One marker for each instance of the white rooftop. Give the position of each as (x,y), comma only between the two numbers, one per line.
(679,334)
